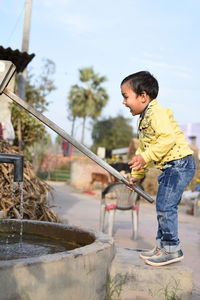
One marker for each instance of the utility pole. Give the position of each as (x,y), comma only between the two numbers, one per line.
(22,77)
(27,25)
(25,46)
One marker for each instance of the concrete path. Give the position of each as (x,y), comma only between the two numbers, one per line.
(81,209)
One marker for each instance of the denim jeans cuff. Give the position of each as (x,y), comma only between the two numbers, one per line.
(158,243)
(172,248)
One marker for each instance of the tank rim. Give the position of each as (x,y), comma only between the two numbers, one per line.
(101,241)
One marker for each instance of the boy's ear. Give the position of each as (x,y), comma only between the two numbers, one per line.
(145,97)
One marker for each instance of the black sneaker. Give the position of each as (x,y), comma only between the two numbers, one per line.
(147,254)
(163,258)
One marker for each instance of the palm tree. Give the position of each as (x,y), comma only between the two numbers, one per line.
(88,99)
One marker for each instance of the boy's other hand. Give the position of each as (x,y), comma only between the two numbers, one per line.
(137,163)
(133,181)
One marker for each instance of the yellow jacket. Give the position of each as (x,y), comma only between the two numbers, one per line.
(160,138)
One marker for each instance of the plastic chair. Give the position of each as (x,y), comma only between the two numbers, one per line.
(120,198)
(197,206)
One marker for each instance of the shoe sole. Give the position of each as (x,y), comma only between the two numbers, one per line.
(148,262)
(145,257)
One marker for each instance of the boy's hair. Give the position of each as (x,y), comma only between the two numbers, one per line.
(143,82)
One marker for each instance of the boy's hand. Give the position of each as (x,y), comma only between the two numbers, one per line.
(134,181)
(137,163)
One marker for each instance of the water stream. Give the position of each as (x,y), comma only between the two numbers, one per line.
(20,187)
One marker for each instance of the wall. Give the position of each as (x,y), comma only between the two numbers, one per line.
(81,169)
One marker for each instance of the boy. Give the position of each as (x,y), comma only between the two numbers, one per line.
(162,144)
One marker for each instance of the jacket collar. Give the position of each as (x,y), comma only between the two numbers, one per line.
(151,103)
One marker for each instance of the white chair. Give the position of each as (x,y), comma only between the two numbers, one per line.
(116,196)
(192,201)
(197,206)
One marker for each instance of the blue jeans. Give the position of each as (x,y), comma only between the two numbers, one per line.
(176,175)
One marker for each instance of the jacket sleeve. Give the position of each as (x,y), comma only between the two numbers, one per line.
(165,137)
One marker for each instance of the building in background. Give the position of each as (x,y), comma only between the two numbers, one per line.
(191,131)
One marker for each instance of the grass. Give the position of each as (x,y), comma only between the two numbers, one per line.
(115,286)
(170,291)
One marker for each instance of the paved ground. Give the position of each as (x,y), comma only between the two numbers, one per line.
(81,209)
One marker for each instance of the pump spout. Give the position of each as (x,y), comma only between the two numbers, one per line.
(17,161)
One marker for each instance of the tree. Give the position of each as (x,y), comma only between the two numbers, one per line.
(27,128)
(37,151)
(58,140)
(37,90)
(88,99)
(112,133)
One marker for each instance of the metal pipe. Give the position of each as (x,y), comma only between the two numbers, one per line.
(76,144)
(17,161)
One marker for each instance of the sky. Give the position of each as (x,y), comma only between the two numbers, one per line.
(116,38)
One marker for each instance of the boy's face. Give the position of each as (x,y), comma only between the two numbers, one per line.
(136,103)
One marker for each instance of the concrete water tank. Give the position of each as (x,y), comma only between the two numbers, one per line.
(75,274)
